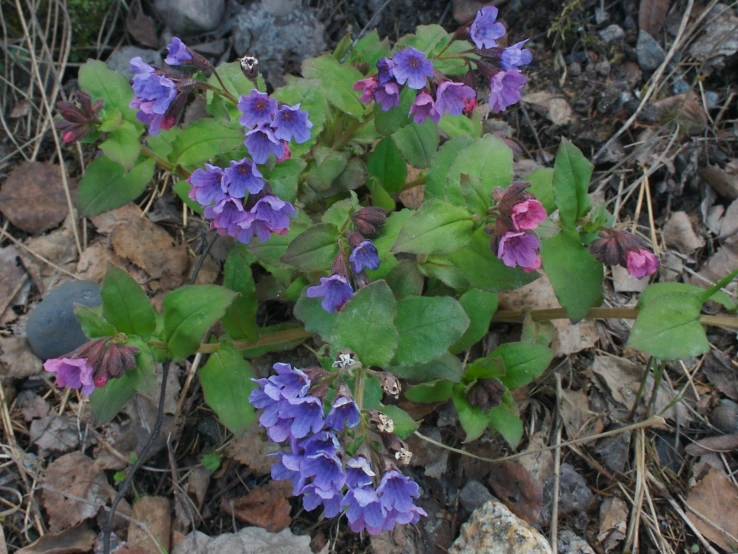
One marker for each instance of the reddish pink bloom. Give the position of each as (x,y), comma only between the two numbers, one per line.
(642,263)
(528,214)
(367,87)
(470,104)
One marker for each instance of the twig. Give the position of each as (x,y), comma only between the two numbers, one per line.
(19,244)
(631,537)
(202,258)
(554,531)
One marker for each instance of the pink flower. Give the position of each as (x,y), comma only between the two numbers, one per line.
(528,214)
(74,373)
(424,107)
(519,249)
(642,263)
(367,87)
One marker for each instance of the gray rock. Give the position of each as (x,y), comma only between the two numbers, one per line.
(570,543)
(191,16)
(725,417)
(473,495)
(52,329)
(611,33)
(120,60)
(713,99)
(493,529)
(574,494)
(279,42)
(648,51)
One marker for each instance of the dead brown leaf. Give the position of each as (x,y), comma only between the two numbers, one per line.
(678,233)
(540,465)
(70,541)
(718,368)
(20,194)
(149,247)
(512,484)
(16,359)
(55,434)
(723,443)
(57,247)
(264,507)
(105,222)
(579,420)
(155,512)
(651,15)
(14,286)
(553,107)
(724,181)
(78,476)
(715,497)
(142,28)
(613,523)
(252,450)
(722,262)
(95,259)
(32,406)
(625,282)
(412,198)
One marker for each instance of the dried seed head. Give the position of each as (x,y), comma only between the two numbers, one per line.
(383,423)
(390,384)
(249,67)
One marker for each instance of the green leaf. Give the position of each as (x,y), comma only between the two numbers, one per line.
(143,376)
(473,420)
(271,250)
(106,402)
(284,178)
(439,390)
(93,324)
(427,327)
(103,83)
(657,289)
(446,366)
(123,145)
(572,172)
(574,273)
(460,125)
(388,122)
(387,165)
(365,325)
(668,327)
(475,194)
(204,139)
(310,95)
(182,189)
(235,81)
(488,367)
(479,306)
(439,267)
(313,249)
(523,362)
(189,312)
(352,177)
(161,144)
(226,383)
(107,186)
(405,425)
(484,270)
(276,338)
(427,38)
(436,228)
(315,318)
(338,82)
(369,49)
(339,212)
(504,418)
(125,304)
(417,143)
(489,159)
(329,164)
(405,279)
(239,320)
(541,186)
(435,183)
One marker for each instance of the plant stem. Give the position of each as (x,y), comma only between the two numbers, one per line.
(287,335)
(222,91)
(720,284)
(420,180)
(350,131)
(164,164)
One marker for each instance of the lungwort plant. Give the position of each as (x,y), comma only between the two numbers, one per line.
(305,179)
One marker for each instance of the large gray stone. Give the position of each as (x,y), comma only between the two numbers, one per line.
(120,60)
(649,52)
(52,329)
(191,16)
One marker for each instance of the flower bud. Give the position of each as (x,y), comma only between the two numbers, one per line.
(77,122)
(486,394)
(368,221)
(624,249)
(398,448)
(118,359)
(250,67)
(361,280)
(390,384)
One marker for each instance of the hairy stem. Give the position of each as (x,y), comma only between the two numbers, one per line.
(164,164)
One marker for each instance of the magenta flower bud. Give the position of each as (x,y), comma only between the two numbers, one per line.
(642,263)
(486,394)
(528,214)
(77,122)
(626,250)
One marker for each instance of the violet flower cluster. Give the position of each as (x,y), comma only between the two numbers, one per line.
(318,466)
(271,126)
(336,290)
(222,192)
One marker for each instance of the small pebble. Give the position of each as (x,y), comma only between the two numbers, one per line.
(649,52)
(473,495)
(611,33)
(52,329)
(575,69)
(725,417)
(603,68)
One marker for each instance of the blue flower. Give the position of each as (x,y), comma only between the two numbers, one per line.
(344,411)
(261,141)
(424,107)
(505,89)
(365,511)
(412,67)
(306,414)
(292,122)
(225,215)
(154,95)
(335,291)
(359,472)
(396,493)
(450,97)
(325,469)
(241,177)
(178,52)
(269,215)
(256,109)
(514,56)
(207,185)
(331,499)
(484,31)
(385,67)
(387,95)
(364,256)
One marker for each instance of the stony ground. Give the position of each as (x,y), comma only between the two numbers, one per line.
(646,88)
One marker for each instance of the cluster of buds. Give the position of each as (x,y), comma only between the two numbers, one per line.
(317,464)
(336,289)
(626,250)
(485,394)
(77,122)
(93,364)
(518,214)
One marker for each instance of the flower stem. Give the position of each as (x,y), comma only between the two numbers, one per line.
(350,131)
(267,339)
(222,91)
(164,164)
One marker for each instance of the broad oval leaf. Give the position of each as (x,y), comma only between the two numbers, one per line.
(489,159)
(386,164)
(436,228)
(479,306)
(107,186)
(125,304)
(239,320)
(417,143)
(572,172)
(405,425)
(338,82)
(313,249)
(523,362)
(203,140)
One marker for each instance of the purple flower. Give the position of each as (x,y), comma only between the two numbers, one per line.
(514,56)
(640,264)
(519,249)
(324,441)
(256,108)
(291,121)
(261,141)
(364,256)
(335,291)
(387,95)
(484,31)
(326,470)
(154,95)
(74,373)
(331,499)
(344,411)
(424,107)
(412,67)
(288,467)
(207,185)
(306,414)
(365,511)
(505,89)
(396,493)
(178,52)
(225,214)
(242,176)
(385,66)
(269,215)
(367,87)
(359,472)
(450,97)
